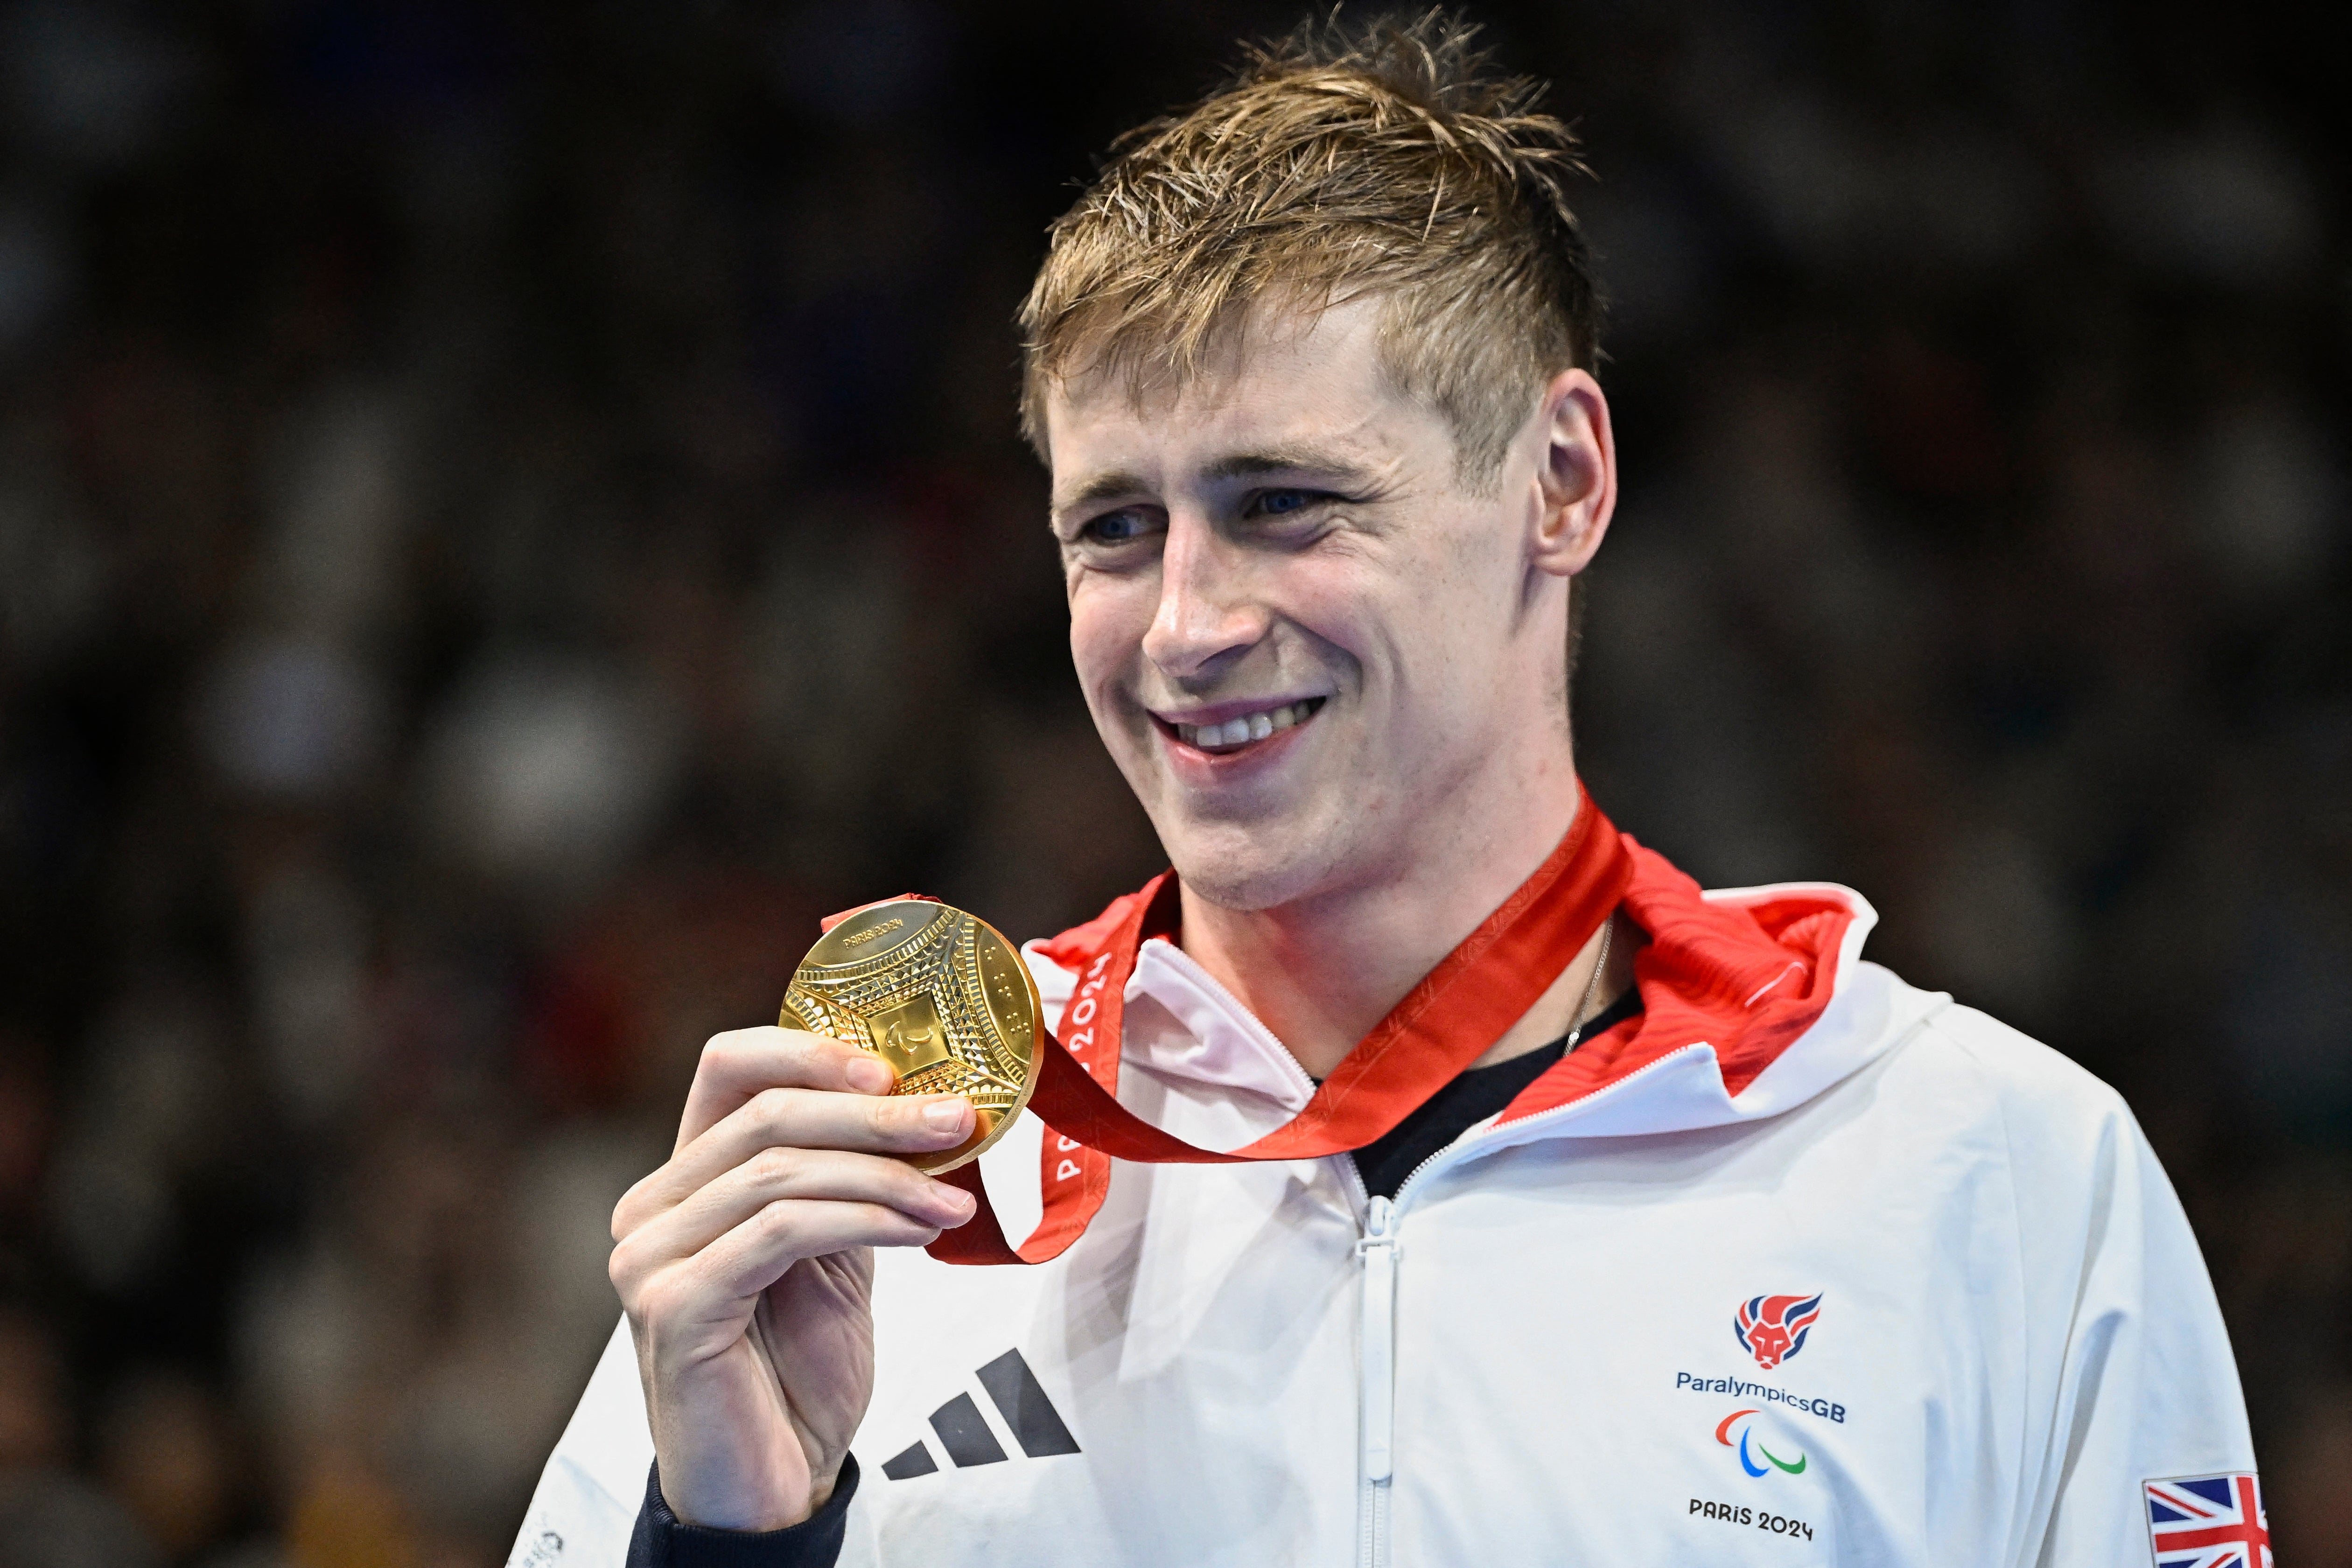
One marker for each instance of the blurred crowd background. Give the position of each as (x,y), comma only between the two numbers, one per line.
(509,512)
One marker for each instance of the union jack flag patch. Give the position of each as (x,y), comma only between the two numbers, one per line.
(2209,1522)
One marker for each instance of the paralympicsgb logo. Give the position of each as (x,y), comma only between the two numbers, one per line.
(1773,1328)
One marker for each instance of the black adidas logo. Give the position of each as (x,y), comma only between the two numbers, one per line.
(964,1433)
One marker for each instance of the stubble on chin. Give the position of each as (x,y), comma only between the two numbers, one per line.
(1248,866)
(1246,857)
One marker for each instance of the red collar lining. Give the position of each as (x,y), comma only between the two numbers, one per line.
(1744,977)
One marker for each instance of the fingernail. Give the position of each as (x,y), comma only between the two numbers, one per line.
(867,1076)
(962,1202)
(943,1115)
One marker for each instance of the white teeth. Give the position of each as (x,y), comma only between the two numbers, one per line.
(1249,727)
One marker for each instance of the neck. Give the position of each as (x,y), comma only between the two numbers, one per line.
(1321,971)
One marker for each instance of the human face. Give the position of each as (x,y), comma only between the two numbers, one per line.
(1314,653)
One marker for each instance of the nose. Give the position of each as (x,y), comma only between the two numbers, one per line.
(1207,616)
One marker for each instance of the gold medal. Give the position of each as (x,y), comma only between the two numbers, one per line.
(940,996)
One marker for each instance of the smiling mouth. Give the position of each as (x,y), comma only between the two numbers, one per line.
(1247,729)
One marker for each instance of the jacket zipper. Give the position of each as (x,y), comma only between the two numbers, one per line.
(1376,1394)
(1380,1252)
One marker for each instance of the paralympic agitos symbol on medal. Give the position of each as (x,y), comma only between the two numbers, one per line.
(937,993)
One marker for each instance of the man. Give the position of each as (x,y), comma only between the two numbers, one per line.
(1672,1231)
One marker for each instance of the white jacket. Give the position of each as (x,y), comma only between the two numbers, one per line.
(1583,1335)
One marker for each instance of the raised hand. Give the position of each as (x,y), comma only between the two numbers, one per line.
(746,1269)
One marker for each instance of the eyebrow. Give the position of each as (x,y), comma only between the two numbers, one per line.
(1102,487)
(1237,466)
(1280,460)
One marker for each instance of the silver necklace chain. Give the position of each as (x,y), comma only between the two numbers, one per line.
(1599,968)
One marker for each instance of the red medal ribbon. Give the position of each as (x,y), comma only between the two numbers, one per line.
(1445,1022)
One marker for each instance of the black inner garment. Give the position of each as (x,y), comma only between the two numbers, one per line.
(1473,1095)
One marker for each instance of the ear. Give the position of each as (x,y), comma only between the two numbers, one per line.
(1576,475)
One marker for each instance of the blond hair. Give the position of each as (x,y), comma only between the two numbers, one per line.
(1386,160)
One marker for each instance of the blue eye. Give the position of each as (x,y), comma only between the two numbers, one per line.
(1119,527)
(1287,502)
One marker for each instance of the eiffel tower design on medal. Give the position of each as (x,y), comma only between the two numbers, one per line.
(939,994)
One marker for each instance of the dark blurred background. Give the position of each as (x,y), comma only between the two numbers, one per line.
(507,513)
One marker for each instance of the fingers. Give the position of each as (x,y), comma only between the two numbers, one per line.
(789,1179)
(755,1254)
(798,1119)
(708,1290)
(742,1063)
